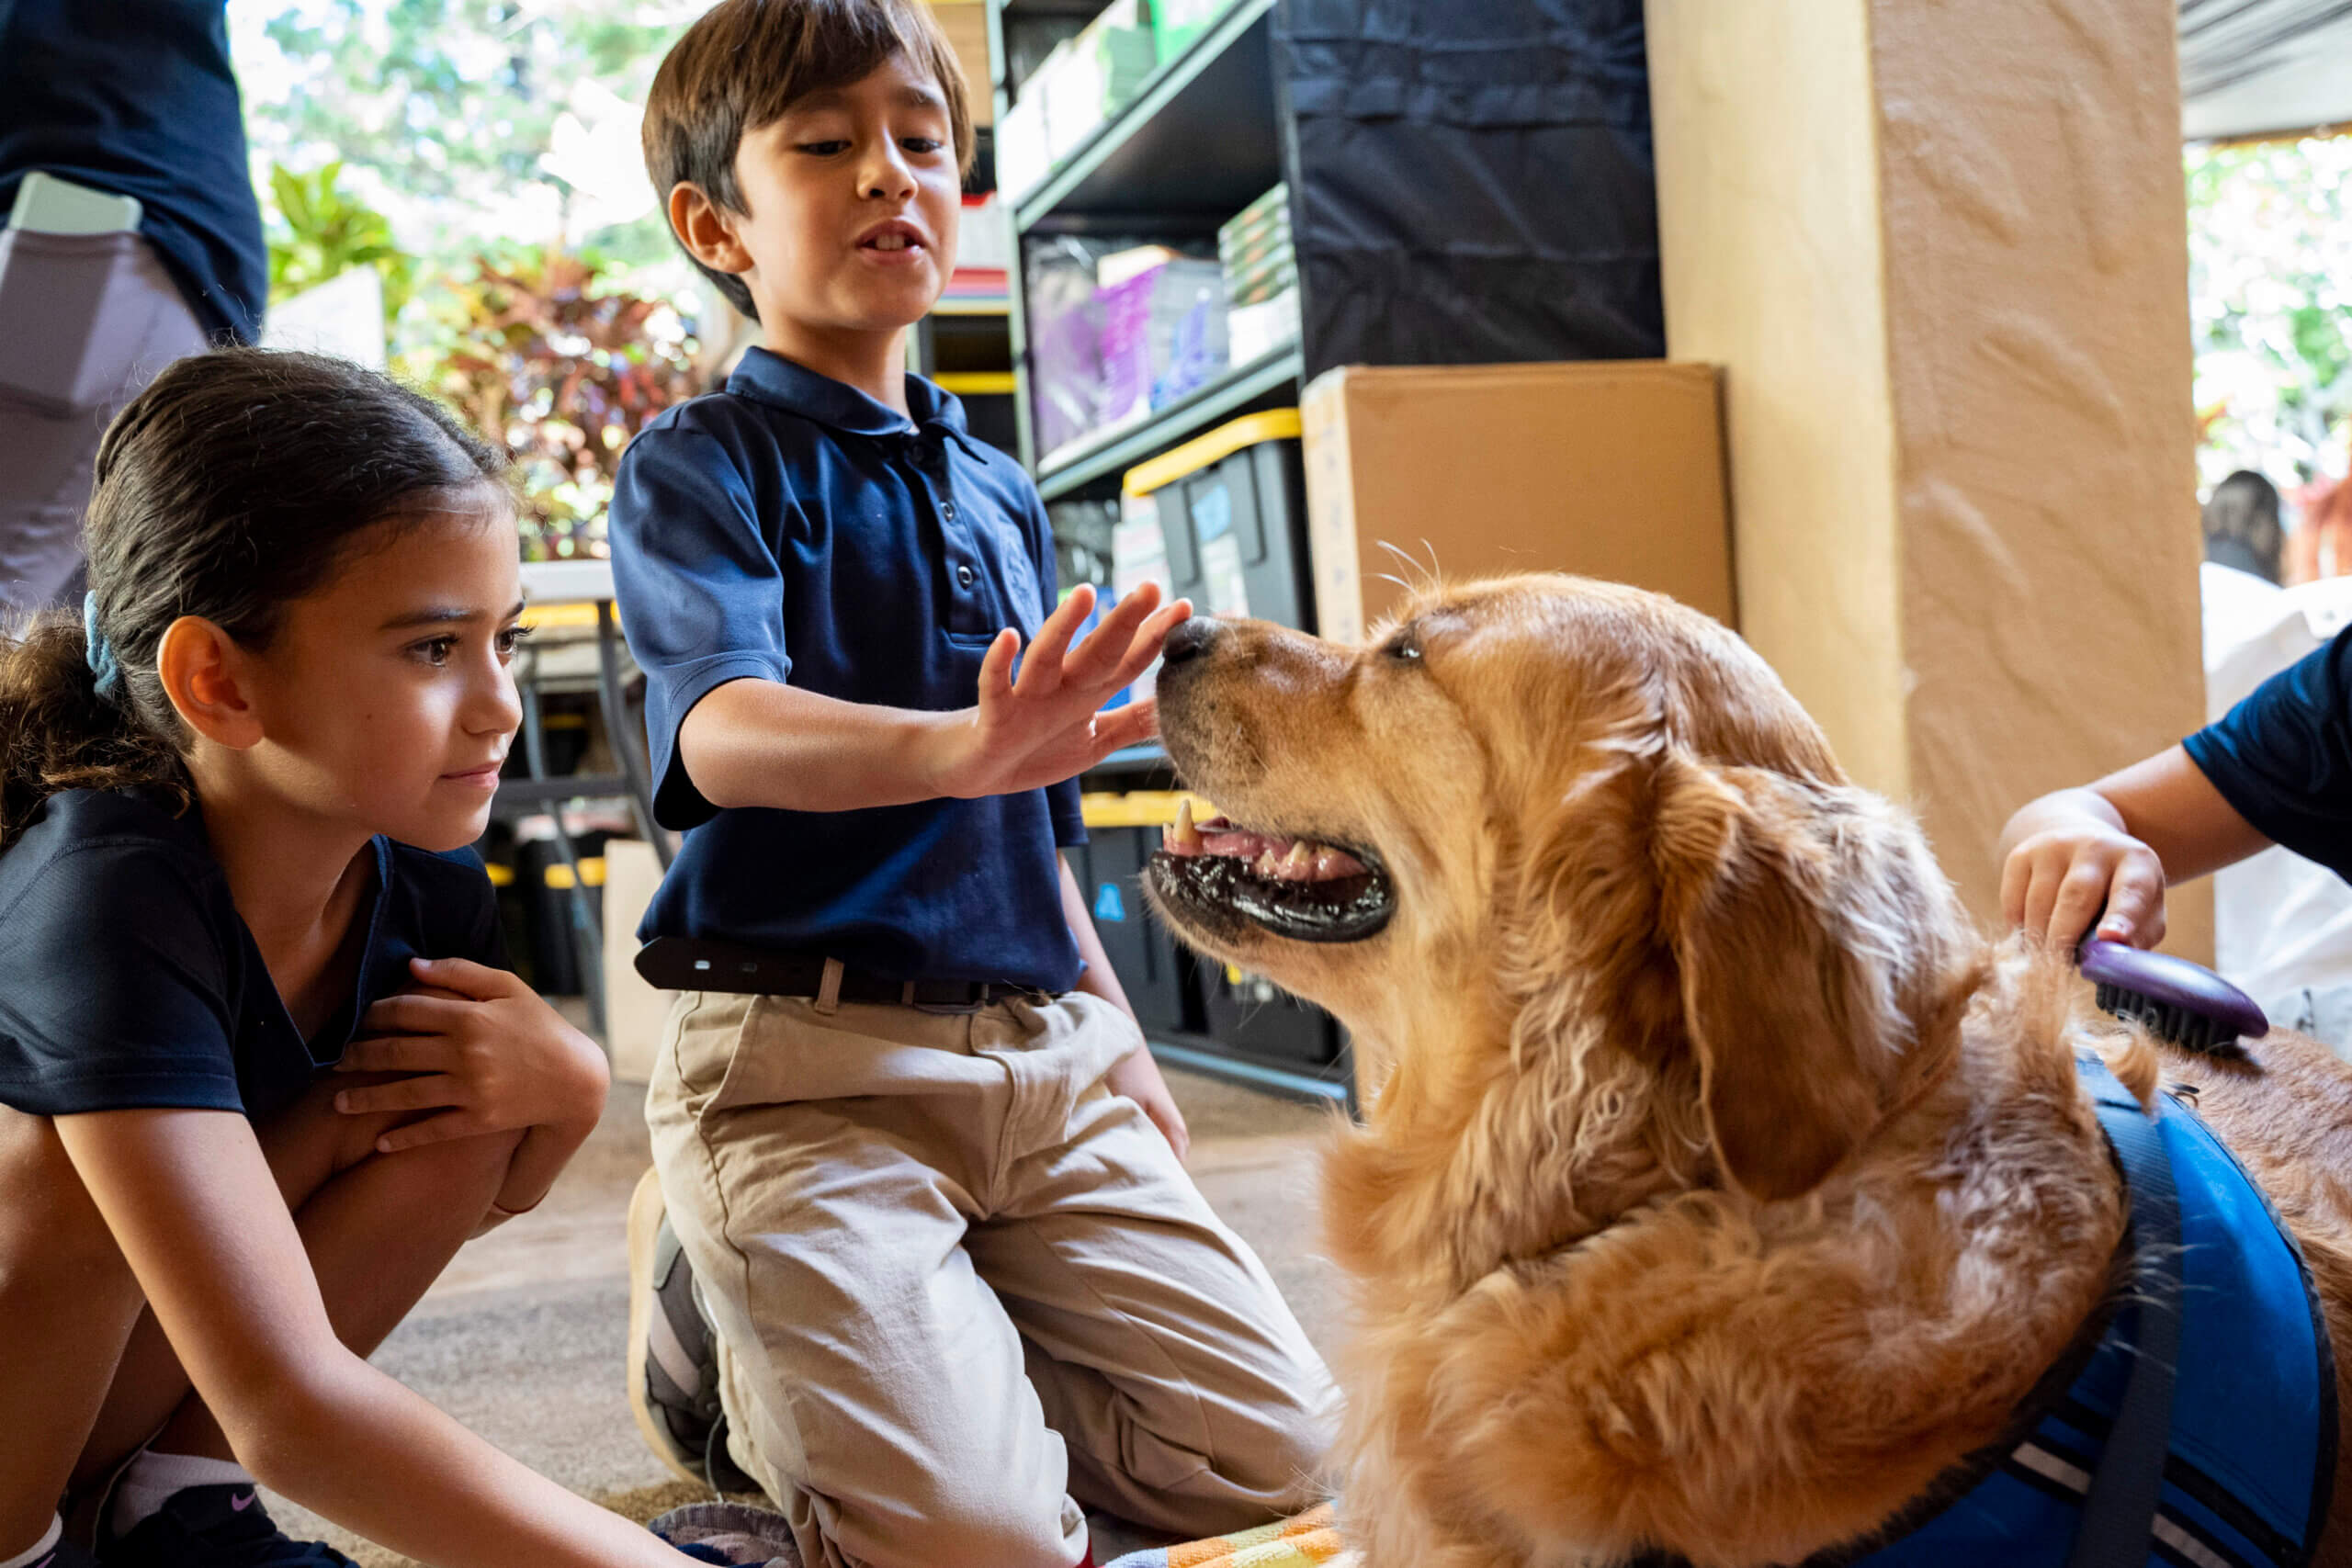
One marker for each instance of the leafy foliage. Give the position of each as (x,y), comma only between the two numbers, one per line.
(448,107)
(2270,295)
(566,366)
(324,232)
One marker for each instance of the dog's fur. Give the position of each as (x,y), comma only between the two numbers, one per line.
(1720,1185)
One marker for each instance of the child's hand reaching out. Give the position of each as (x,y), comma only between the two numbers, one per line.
(1047,724)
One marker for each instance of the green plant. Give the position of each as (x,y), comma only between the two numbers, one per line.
(326,232)
(2270,302)
(565,365)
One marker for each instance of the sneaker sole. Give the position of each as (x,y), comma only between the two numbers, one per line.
(644,1210)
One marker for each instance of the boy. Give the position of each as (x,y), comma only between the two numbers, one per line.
(925,1176)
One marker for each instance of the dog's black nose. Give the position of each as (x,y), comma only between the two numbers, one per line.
(1190,638)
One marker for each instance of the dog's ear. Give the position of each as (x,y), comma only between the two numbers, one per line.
(1805,920)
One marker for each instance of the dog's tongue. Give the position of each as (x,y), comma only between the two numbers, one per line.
(1275,859)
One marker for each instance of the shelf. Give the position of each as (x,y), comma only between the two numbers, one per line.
(1330,1083)
(976,383)
(1150,754)
(973,305)
(1200,138)
(1113,452)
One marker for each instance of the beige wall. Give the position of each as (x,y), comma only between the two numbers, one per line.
(1941,250)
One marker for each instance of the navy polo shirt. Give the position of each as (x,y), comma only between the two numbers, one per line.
(793,529)
(2282,758)
(127,979)
(136,97)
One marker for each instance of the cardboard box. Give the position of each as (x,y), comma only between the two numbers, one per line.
(635,1014)
(965,23)
(1609,469)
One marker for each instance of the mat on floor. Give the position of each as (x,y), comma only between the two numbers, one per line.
(1310,1540)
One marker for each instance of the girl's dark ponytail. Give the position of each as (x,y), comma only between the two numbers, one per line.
(228,487)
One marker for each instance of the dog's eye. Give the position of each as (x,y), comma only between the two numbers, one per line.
(1403,646)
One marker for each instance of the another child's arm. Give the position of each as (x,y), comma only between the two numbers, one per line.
(754,742)
(2114,845)
(191,1201)
(1135,1075)
(490,1056)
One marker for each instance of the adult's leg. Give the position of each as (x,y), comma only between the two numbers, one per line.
(873,1384)
(379,1230)
(93,319)
(1189,1396)
(67,1303)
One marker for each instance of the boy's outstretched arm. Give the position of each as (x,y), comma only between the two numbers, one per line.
(2113,846)
(754,742)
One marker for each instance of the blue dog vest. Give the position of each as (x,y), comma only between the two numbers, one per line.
(2249,1456)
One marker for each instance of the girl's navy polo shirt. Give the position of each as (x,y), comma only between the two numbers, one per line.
(129,980)
(2282,758)
(793,529)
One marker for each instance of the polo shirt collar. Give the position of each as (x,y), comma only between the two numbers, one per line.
(769,377)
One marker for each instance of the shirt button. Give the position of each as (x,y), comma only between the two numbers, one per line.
(963,577)
(947,510)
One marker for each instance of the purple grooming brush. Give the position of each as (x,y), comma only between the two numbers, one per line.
(2185,1003)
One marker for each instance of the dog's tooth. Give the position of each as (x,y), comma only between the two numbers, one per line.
(1184,837)
(1267,865)
(1329,864)
(1299,863)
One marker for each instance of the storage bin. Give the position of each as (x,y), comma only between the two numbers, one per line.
(1232,509)
(1250,1016)
(1154,972)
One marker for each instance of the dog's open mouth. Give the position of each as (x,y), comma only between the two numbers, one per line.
(1298,888)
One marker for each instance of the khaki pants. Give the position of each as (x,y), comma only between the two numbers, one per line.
(961,1288)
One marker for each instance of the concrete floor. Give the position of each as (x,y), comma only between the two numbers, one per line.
(522,1339)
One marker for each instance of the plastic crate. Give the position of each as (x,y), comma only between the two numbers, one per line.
(1232,507)
(1155,974)
(1250,1016)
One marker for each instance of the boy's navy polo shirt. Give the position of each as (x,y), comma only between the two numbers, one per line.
(792,528)
(127,979)
(2282,758)
(137,97)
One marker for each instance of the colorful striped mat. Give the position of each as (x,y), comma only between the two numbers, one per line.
(1310,1540)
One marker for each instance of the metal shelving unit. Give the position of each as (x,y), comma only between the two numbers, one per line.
(1112,453)
(1201,142)
(1189,144)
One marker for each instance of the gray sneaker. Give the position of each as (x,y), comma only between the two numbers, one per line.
(674,1353)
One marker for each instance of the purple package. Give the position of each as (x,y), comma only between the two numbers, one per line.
(1065,349)
(1126,345)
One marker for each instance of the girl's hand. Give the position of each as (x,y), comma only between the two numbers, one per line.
(488,1056)
(1136,1076)
(2056,881)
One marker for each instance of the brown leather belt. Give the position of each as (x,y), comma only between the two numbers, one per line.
(682,964)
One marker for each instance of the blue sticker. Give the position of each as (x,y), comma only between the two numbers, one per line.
(1212,512)
(1109,905)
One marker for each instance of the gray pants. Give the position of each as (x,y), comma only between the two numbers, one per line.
(86,321)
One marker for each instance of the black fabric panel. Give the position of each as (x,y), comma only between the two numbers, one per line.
(1472,180)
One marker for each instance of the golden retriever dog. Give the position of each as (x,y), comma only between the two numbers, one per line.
(1721,1188)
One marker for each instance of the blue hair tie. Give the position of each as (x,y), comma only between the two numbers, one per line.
(103,664)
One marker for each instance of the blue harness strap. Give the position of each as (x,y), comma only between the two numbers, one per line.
(2120,1510)
(2194,1424)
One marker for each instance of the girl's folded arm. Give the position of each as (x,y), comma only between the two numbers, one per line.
(190,1199)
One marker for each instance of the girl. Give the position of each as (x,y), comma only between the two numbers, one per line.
(234,800)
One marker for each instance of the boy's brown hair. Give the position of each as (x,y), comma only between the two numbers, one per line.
(746,62)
